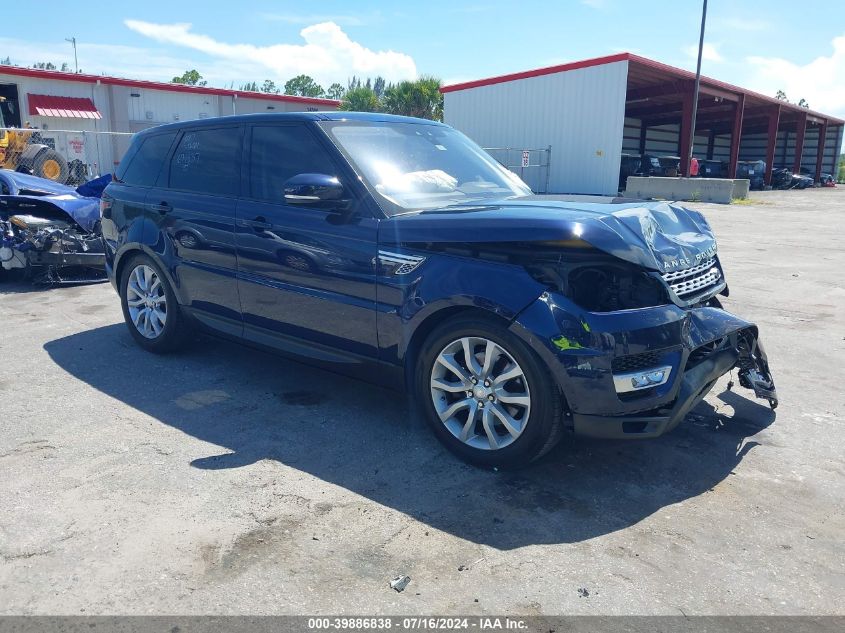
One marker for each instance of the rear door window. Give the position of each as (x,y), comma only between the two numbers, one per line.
(208,161)
(144,160)
(280,152)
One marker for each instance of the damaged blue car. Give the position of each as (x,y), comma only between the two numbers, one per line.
(50,232)
(397,251)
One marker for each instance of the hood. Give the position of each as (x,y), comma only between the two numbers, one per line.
(83,211)
(15,182)
(659,236)
(39,196)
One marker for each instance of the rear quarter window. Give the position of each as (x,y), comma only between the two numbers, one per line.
(208,161)
(144,160)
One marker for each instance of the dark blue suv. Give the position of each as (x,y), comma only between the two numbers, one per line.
(397,251)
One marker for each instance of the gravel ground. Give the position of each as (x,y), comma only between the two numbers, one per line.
(227,481)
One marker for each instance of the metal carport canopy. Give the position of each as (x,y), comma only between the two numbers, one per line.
(658,94)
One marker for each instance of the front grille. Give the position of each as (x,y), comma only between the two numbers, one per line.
(693,281)
(635,362)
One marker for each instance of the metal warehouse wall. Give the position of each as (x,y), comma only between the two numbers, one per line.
(580,113)
(664,140)
(98,93)
(135,108)
(753,147)
(31,85)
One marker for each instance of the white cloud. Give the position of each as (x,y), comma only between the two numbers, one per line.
(328,54)
(709,52)
(821,82)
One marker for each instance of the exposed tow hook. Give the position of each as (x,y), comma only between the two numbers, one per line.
(754,370)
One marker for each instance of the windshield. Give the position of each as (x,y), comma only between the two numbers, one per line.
(413,166)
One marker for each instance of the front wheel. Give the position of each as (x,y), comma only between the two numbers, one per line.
(150,308)
(487,395)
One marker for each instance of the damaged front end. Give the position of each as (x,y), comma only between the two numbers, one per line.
(49,232)
(629,322)
(655,338)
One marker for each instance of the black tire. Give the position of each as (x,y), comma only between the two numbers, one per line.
(544,426)
(58,171)
(174,334)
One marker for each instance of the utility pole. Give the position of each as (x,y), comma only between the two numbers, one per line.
(72,40)
(695,91)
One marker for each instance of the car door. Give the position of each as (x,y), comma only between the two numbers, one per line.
(304,274)
(193,207)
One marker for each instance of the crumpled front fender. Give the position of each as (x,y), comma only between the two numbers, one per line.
(584,350)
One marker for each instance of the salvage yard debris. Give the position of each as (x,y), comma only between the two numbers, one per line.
(49,231)
(399,583)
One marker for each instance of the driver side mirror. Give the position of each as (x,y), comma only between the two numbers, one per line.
(317,190)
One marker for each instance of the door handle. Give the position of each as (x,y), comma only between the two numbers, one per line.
(259,223)
(162,207)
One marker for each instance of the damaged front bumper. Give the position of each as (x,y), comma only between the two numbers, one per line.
(637,373)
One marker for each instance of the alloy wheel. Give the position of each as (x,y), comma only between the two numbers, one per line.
(480,393)
(147,301)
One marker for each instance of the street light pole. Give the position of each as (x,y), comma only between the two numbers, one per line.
(72,40)
(695,90)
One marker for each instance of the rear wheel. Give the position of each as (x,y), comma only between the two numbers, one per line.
(51,165)
(150,309)
(487,395)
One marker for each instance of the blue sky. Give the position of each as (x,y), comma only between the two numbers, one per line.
(786,45)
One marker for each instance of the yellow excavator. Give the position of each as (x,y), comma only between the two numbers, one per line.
(20,150)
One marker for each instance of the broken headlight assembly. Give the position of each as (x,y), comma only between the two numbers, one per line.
(611,287)
(600,283)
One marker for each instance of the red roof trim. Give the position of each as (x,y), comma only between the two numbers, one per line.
(67,107)
(538,72)
(158,85)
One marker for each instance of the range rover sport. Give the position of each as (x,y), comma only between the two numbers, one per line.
(396,250)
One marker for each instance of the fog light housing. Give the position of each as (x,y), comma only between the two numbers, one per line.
(645,379)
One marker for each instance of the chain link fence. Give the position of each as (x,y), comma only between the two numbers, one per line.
(66,156)
(531,165)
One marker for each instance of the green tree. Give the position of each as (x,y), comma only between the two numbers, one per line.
(802,103)
(379,86)
(190,78)
(44,65)
(360,99)
(303,86)
(6,62)
(269,86)
(781,96)
(420,98)
(841,168)
(250,86)
(335,91)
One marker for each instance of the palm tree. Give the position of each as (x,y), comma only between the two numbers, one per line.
(420,98)
(361,99)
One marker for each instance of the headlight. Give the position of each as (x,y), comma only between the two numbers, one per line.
(610,287)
